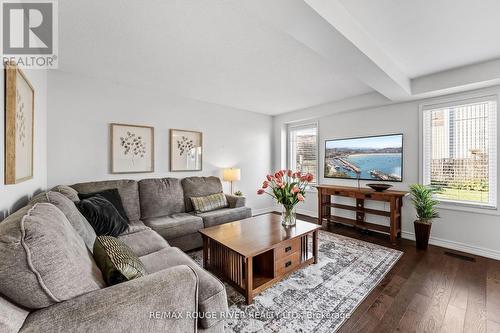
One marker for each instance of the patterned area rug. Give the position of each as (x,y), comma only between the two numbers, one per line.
(318,298)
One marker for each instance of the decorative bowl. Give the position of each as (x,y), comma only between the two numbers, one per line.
(379,187)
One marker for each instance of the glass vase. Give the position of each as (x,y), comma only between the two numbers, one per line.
(288,216)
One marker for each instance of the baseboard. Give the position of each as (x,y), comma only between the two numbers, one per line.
(309,213)
(261,211)
(477,250)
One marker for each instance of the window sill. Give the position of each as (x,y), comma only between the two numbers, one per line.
(469,208)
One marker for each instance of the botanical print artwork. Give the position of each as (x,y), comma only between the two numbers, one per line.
(18,127)
(133,145)
(132,148)
(185,150)
(184,145)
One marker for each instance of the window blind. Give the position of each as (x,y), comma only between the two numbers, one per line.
(303,149)
(460,151)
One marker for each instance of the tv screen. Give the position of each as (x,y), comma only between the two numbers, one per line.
(367,158)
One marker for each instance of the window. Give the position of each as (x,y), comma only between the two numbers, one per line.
(459,151)
(303,149)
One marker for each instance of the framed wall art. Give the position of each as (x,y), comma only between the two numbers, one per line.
(19,125)
(186,150)
(132,148)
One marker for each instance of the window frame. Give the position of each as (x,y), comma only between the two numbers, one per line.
(483,208)
(295,126)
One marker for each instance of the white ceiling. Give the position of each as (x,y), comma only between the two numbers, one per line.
(428,36)
(275,56)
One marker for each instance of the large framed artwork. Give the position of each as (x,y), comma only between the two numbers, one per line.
(186,150)
(19,125)
(132,148)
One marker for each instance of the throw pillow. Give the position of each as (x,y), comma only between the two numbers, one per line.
(117,262)
(102,216)
(209,202)
(43,260)
(112,195)
(68,207)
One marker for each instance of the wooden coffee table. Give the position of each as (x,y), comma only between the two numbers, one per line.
(255,253)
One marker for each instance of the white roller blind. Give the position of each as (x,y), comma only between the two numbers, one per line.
(303,149)
(460,151)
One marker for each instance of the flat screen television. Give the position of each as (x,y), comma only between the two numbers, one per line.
(366,158)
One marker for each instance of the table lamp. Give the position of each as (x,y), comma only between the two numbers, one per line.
(232,175)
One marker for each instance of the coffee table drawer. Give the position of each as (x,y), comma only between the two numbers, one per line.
(287,264)
(287,248)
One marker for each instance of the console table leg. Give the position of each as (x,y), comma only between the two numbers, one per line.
(249,280)
(315,246)
(393,218)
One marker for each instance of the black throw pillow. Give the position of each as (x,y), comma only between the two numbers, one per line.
(102,215)
(112,195)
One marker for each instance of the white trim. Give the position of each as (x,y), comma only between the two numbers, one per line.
(309,213)
(476,250)
(263,210)
(298,125)
(458,99)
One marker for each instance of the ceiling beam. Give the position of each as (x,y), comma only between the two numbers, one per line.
(329,30)
(459,79)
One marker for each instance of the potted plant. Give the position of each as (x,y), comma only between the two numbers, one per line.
(288,188)
(238,193)
(424,203)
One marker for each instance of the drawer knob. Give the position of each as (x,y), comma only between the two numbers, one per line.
(288,249)
(288,263)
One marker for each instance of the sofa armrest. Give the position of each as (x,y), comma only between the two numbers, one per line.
(235,201)
(146,304)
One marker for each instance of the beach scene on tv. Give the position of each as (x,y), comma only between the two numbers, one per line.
(368,158)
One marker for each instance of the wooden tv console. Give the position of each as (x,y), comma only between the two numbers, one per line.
(394,198)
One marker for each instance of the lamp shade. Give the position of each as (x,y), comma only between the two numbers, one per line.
(231,175)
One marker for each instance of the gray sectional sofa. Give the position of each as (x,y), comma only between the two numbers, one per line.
(50,283)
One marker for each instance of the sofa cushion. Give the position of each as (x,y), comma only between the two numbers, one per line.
(144,241)
(175,225)
(11,316)
(128,189)
(187,242)
(160,197)
(135,226)
(224,215)
(44,261)
(117,262)
(77,220)
(102,215)
(209,202)
(211,293)
(67,191)
(112,195)
(199,187)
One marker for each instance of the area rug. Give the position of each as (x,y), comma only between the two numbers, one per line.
(318,298)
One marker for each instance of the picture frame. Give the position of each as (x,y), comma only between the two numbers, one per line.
(186,150)
(19,125)
(132,148)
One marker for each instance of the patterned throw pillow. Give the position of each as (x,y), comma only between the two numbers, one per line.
(209,202)
(117,262)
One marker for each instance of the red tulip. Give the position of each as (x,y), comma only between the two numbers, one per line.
(269,177)
(265,184)
(277,175)
(298,174)
(303,178)
(310,177)
(295,189)
(300,197)
(289,173)
(260,191)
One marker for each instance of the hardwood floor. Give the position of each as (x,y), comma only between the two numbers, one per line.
(428,291)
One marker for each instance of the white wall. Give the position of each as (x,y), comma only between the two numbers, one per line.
(12,197)
(475,232)
(81,110)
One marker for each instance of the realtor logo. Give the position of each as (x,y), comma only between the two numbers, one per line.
(29,33)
